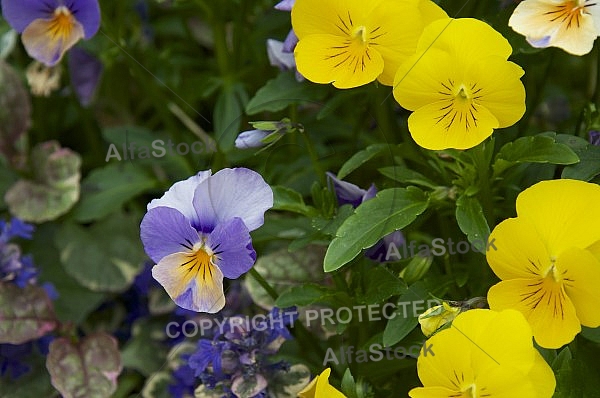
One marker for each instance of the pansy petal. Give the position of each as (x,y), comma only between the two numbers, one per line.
(20,13)
(165,231)
(431,392)
(542,377)
(431,11)
(517,250)
(346,192)
(468,39)
(329,17)
(419,79)
(231,193)
(502,93)
(47,43)
(394,41)
(231,243)
(544,304)
(181,195)
(580,271)
(190,289)
(324,58)
(87,13)
(565,213)
(324,389)
(437,126)
(85,71)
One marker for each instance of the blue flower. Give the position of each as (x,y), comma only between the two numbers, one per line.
(251,139)
(14,267)
(199,232)
(11,359)
(51,27)
(184,382)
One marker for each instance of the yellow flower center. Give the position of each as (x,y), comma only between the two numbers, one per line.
(62,23)
(570,12)
(360,33)
(458,104)
(201,264)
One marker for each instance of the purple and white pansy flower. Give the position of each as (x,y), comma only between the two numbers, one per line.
(198,232)
(51,27)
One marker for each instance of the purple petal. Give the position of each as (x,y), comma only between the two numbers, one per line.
(285,5)
(165,231)
(181,195)
(232,193)
(87,13)
(277,57)
(542,42)
(85,70)
(370,194)
(250,139)
(231,240)
(20,13)
(347,193)
(594,137)
(379,251)
(289,44)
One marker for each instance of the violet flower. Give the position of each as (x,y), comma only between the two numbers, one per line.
(85,70)
(51,27)
(199,232)
(251,139)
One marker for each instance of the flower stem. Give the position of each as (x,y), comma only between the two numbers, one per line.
(263,282)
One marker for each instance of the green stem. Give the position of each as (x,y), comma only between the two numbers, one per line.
(263,282)
(537,96)
(314,158)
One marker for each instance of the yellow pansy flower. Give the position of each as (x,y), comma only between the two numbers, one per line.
(572,25)
(319,387)
(353,42)
(548,260)
(484,354)
(459,85)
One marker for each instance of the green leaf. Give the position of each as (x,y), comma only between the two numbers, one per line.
(25,314)
(282,268)
(471,220)
(390,210)
(289,200)
(361,158)
(380,284)
(281,92)
(105,257)
(105,190)
(145,352)
(88,368)
(405,318)
(348,385)
(304,295)
(54,189)
(535,149)
(407,176)
(588,166)
(287,384)
(416,268)
(592,334)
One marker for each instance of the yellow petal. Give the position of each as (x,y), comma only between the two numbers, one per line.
(544,304)
(432,392)
(327,58)
(431,11)
(193,285)
(542,377)
(493,347)
(394,41)
(503,93)
(48,39)
(546,24)
(441,125)
(419,79)
(565,213)
(468,39)
(319,387)
(581,273)
(519,252)
(333,17)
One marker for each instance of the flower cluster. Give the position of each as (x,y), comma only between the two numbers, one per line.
(237,361)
